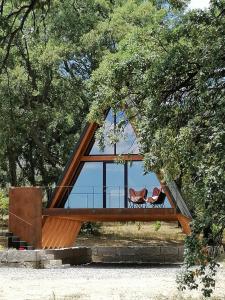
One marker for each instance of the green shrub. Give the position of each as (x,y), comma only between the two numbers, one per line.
(90,228)
(4,205)
(157,225)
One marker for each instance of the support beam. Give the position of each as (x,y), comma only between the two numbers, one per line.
(100,158)
(114,214)
(185,223)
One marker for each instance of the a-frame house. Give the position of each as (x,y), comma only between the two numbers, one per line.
(94,187)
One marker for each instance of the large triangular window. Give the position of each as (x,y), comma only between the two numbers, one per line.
(116,128)
(104,176)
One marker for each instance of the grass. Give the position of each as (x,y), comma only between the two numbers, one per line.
(134,233)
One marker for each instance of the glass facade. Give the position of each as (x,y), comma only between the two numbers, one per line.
(106,185)
(127,142)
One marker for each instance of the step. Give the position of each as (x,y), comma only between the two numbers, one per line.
(29,248)
(13,238)
(11,241)
(15,242)
(6,233)
(53,264)
(18,244)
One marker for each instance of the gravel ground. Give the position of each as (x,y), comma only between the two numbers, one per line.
(97,282)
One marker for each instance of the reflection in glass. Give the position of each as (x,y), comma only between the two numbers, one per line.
(127,139)
(114,185)
(87,191)
(137,180)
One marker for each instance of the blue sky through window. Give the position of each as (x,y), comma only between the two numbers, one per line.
(127,139)
(88,189)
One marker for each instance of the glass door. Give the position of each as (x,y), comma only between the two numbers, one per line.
(113,185)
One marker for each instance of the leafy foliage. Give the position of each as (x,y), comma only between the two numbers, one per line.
(167,72)
(4,204)
(90,228)
(44,98)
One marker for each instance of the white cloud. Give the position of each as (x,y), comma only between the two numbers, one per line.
(202,4)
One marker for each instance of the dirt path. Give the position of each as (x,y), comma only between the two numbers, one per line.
(97,283)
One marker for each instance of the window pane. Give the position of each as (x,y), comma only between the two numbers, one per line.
(87,191)
(128,142)
(127,137)
(108,126)
(137,180)
(115,185)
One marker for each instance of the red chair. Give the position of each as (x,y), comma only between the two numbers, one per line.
(158,198)
(137,198)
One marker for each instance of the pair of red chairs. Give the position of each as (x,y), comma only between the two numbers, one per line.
(140,199)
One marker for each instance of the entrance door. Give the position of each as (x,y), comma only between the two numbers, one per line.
(114,185)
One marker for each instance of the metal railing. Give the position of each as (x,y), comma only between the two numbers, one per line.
(91,196)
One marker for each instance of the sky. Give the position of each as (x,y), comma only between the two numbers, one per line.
(199,4)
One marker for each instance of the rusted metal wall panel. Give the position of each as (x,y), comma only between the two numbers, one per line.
(25,214)
(59,232)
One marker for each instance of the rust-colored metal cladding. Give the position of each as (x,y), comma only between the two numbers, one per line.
(63,225)
(97,158)
(25,214)
(113,214)
(185,223)
(59,232)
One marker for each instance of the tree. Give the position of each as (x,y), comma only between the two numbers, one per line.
(13,17)
(4,206)
(44,98)
(167,71)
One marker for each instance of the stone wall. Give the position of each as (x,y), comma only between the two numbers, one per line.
(17,258)
(3,242)
(149,254)
(72,256)
(59,258)
(45,259)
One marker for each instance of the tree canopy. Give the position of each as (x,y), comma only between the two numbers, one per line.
(44,98)
(167,68)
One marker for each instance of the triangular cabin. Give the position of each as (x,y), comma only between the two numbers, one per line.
(96,187)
